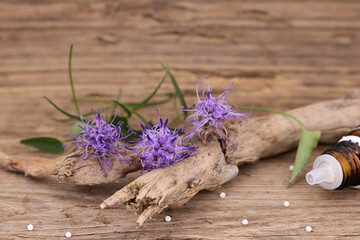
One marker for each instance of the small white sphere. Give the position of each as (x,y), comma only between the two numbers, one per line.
(168,219)
(222,195)
(286,204)
(291,168)
(30,227)
(68,234)
(245,222)
(308,229)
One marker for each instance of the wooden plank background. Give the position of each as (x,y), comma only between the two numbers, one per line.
(281,54)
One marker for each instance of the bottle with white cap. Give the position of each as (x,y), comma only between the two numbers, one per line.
(338,167)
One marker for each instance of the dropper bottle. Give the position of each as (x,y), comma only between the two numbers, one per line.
(338,167)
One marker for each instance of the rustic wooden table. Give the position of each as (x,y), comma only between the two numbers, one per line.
(281,54)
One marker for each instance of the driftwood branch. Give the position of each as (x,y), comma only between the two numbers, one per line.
(152,192)
(274,134)
(63,170)
(259,137)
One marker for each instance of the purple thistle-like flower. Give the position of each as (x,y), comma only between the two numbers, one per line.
(210,114)
(99,140)
(160,146)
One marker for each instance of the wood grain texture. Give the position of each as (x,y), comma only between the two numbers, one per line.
(281,54)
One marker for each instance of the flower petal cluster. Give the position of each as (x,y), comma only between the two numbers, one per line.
(160,146)
(210,114)
(100,140)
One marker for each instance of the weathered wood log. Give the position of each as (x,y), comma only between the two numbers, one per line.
(63,170)
(210,168)
(273,134)
(90,173)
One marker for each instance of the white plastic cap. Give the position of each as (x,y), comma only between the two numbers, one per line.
(327,172)
(319,175)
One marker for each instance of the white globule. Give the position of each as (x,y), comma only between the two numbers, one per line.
(308,229)
(245,222)
(286,204)
(291,168)
(168,219)
(222,195)
(68,234)
(30,227)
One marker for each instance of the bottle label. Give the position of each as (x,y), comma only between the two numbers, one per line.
(354,139)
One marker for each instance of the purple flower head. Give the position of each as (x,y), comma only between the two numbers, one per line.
(160,146)
(210,114)
(99,140)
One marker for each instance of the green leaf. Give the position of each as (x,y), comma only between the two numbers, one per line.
(45,144)
(62,111)
(124,127)
(140,116)
(176,87)
(308,141)
(143,103)
(58,119)
(72,82)
(128,111)
(76,128)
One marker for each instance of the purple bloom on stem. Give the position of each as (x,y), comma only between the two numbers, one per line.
(160,146)
(210,114)
(99,140)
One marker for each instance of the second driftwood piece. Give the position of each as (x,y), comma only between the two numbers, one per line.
(211,167)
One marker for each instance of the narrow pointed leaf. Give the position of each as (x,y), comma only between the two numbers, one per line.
(308,141)
(144,103)
(128,111)
(176,87)
(45,144)
(72,82)
(62,111)
(140,116)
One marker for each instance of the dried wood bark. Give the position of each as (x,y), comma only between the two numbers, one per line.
(210,168)
(63,170)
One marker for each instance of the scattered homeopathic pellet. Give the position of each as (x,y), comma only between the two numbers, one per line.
(222,195)
(168,219)
(68,234)
(286,204)
(291,168)
(308,229)
(245,222)
(30,227)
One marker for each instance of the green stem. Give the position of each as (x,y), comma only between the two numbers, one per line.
(71,81)
(275,111)
(141,117)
